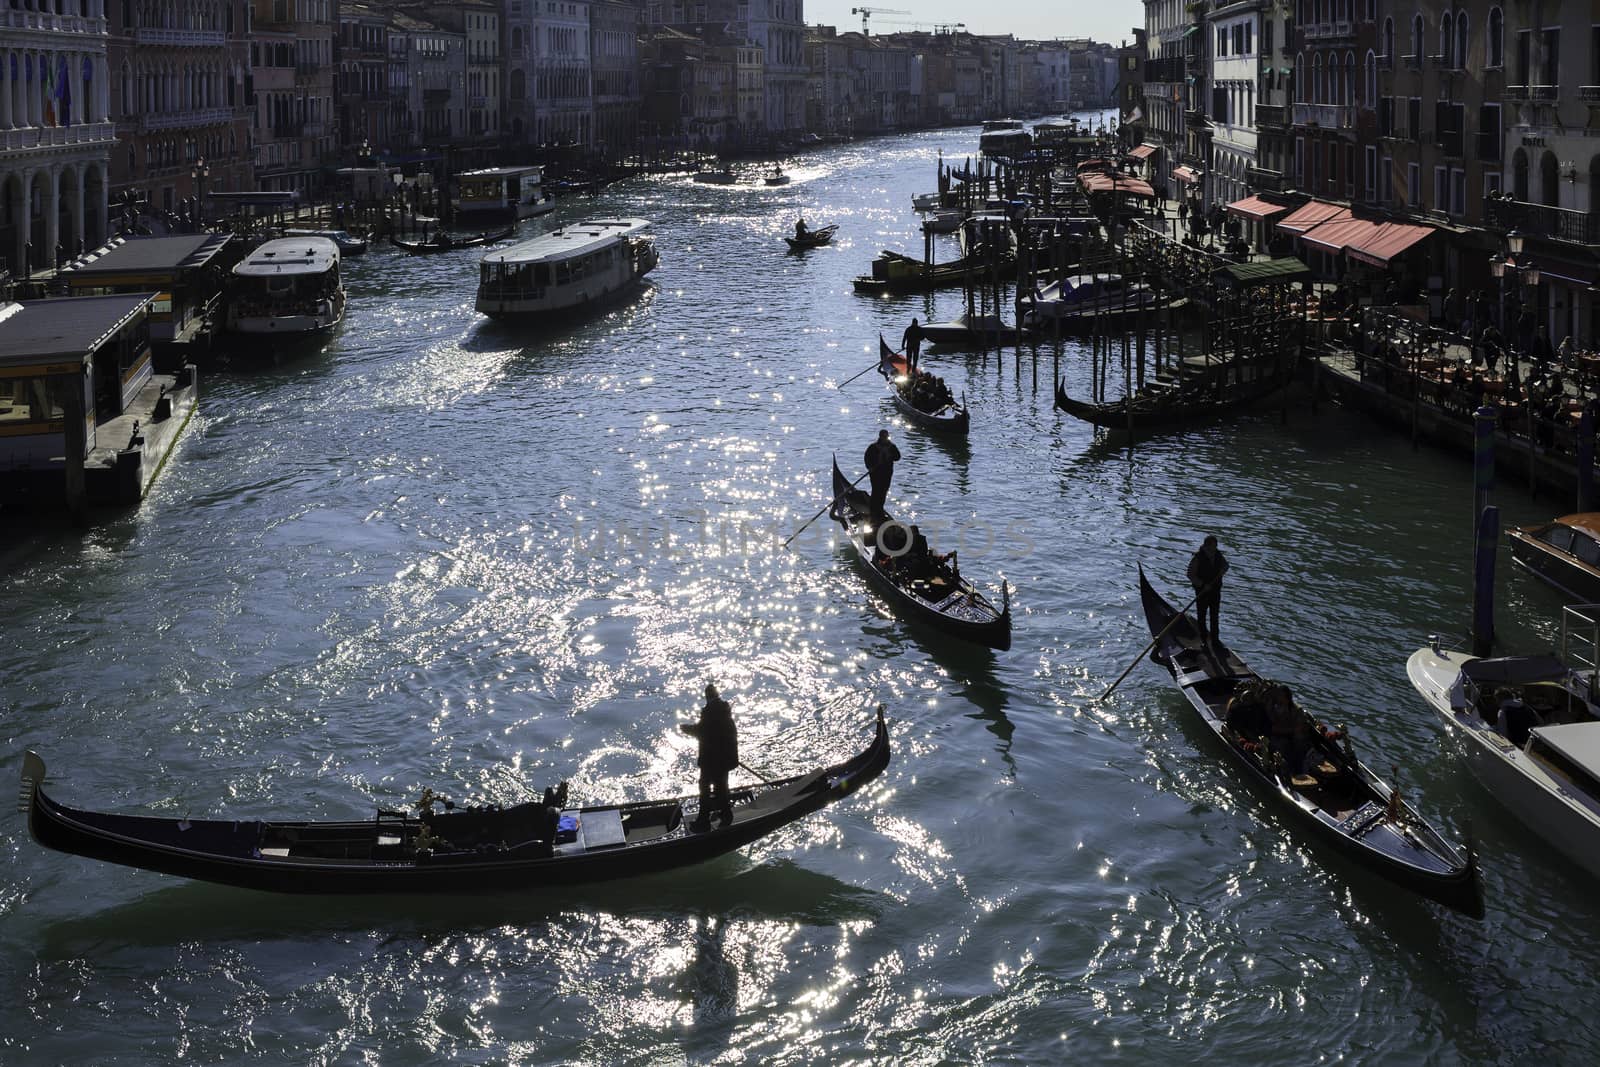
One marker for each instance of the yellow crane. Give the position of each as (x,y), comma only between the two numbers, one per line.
(866,14)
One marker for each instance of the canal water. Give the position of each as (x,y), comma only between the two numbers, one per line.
(441,552)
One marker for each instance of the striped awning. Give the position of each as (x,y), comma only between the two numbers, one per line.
(1144,151)
(1256,209)
(1185,174)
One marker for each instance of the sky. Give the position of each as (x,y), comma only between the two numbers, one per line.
(1104,20)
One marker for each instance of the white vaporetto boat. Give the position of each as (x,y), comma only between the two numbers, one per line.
(1528,728)
(287,287)
(566,269)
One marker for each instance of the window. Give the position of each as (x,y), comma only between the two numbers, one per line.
(1490,137)
(1491,183)
(1587,549)
(1463,39)
(1441,187)
(1222,41)
(1414,117)
(1417,37)
(1386,42)
(1447,40)
(1386,179)
(1370,190)
(1413,185)
(1552,57)
(1458,191)
(1524,56)
(1558,537)
(1496,56)
(1266,37)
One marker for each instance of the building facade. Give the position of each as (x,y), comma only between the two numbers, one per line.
(614,60)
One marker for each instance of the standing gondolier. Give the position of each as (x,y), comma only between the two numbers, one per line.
(911,344)
(719,754)
(880,459)
(1206,568)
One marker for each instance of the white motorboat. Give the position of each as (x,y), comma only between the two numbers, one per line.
(927,201)
(287,287)
(942,222)
(566,269)
(349,244)
(1081,296)
(1528,728)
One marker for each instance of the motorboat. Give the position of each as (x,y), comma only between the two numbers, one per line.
(1528,729)
(969,329)
(776,177)
(349,244)
(942,222)
(1563,552)
(1081,297)
(927,201)
(566,269)
(725,176)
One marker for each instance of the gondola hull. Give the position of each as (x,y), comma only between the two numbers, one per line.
(487,850)
(963,612)
(814,239)
(952,419)
(1179,408)
(423,248)
(1349,812)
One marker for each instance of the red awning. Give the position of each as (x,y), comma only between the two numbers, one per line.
(1144,151)
(1391,239)
(1101,182)
(1255,208)
(1095,164)
(1313,214)
(1185,174)
(1338,234)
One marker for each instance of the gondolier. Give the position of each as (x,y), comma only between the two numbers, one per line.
(880,459)
(911,344)
(1206,568)
(719,754)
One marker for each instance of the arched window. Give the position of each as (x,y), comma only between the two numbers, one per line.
(1299,78)
(1447,39)
(1463,39)
(1418,36)
(1496,56)
(1316,78)
(1349,79)
(1387,41)
(1369,87)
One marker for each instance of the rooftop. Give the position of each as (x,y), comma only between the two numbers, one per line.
(63,328)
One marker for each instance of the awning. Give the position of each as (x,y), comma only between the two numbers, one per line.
(1268,270)
(1256,209)
(1144,151)
(1185,174)
(1094,164)
(1580,272)
(1311,215)
(1338,234)
(1391,239)
(1120,184)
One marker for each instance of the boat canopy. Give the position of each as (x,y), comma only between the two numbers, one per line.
(1514,670)
(569,241)
(1579,742)
(290,255)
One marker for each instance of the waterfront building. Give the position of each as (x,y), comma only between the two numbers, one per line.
(1130,89)
(435,79)
(614,60)
(689,95)
(477,24)
(778,28)
(550,79)
(296,131)
(364,110)
(1546,57)
(56,134)
(1046,82)
(180,101)
(1250,83)
(1329,36)
(1166,90)
(750,95)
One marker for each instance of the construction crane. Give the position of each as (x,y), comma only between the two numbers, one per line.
(866,14)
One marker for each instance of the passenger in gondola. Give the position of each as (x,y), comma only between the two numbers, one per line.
(880,458)
(1247,716)
(719,754)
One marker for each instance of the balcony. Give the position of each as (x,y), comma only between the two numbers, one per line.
(1386,62)
(1327,116)
(1589,94)
(478,102)
(56,136)
(1537,94)
(1330,31)
(1413,61)
(1262,180)
(1271,116)
(178,120)
(45,20)
(179,38)
(1541,220)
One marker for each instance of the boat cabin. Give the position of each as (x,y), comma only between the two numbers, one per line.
(68,365)
(501,192)
(289,285)
(1007,142)
(185,273)
(1564,552)
(565,268)
(1570,753)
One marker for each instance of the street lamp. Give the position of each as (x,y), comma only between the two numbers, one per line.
(199,174)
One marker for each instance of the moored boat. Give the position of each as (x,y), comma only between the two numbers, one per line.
(349,244)
(1164,406)
(444,242)
(1080,299)
(482,849)
(929,590)
(287,287)
(1564,552)
(967,329)
(502,192)
(895,273)
(567,269)
(945,417)
(1528,729)
(1340,803)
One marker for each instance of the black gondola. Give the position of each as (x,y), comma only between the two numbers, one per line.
(1178,405)
(936,594)
(1344,805)
(445,243)
(951,418)
(470,850)
(812,239)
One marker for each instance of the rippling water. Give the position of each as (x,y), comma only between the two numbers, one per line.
(481,558)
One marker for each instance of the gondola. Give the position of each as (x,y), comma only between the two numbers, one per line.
(1344,804)
(812,239)
(524,846)
(454,244)
(937,595)
(1184,403)
(894,273)
(952,418)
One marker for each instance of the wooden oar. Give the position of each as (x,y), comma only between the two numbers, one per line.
(853,377)
(1146,651)
(755,772)
(818,515)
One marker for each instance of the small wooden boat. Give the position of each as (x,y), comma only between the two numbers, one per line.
(1205,396)
(443,242)
(1343,805)
(776,177)
(486,849)
(951,418)
(812,239)
(894,273)
(930,590)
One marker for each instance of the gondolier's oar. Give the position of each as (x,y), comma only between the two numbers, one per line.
(755,772)
(876,366)
(818,515)
(1181,613)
